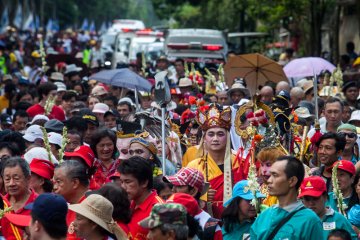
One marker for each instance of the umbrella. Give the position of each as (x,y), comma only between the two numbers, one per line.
(307,67)
(255,68)
(123,77)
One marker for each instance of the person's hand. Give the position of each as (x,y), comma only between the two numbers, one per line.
(211,194)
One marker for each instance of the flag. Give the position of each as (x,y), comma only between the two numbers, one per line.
(92,27)
(18,17)
(28,22)
(85,25)
(4,20)
(49,25)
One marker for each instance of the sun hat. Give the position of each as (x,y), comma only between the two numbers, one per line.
(32,133)
(57,76)
(169,107)
(188,201)
(185,82)
(188,177)
(47,207)
(303,112)
(39,152)
(312,186)
(239,86)
(241,189)
(308,86)
(355,116)
(171,213)
(99,91)
(100,108)
(55,138)
(83,152)
(99,210)
(61,87)
(72,68)
(43,168)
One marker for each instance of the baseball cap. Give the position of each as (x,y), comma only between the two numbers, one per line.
(100,108)
(39,117)
(42,167)
(126,100)
(188,177)
(83,152)
(55,138)
(32,133)
(47,207)
(171,213)
(188,201)
(241,189)
(54,125)
(5,119)
(40,153)
(313,186)
(347,126)
(88,116)
(344,165)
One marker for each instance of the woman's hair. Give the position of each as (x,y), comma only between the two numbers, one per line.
(230,215)
(99,135)
(269,154)
(21,94)
(119,199)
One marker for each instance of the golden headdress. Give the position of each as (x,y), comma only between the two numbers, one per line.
(214,115)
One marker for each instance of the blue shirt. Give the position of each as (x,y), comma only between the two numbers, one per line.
(304,224)
(334,220)
(332,202)
(238,231)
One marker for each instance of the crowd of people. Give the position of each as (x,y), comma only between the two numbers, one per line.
(83,160)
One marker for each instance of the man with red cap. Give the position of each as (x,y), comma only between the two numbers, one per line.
(209,225)
(85,155)
(345,175)
(42,171)
(314,196)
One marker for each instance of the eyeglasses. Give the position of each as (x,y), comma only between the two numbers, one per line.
(349,135)
(136,151)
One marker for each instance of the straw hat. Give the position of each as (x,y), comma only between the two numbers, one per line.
(99,210)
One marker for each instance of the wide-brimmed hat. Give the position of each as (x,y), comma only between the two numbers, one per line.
(308,86)
(239,86)
(303,112)
(185,82)
(170,106)
(99,210)
(72,68)
(57,76)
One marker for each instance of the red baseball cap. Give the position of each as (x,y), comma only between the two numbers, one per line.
(312,186)
(116,174)
(188,201)
(18,219)
(188,177)
(344,165)
(83,152)
(43,168)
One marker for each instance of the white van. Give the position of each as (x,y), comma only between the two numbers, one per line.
(199,45)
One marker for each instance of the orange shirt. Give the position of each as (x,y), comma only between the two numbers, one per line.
(139,213)
(10,231)
(70,217)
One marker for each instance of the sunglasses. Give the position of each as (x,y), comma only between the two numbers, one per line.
(349,135)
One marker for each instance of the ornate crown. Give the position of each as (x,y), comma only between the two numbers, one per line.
(214,116)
